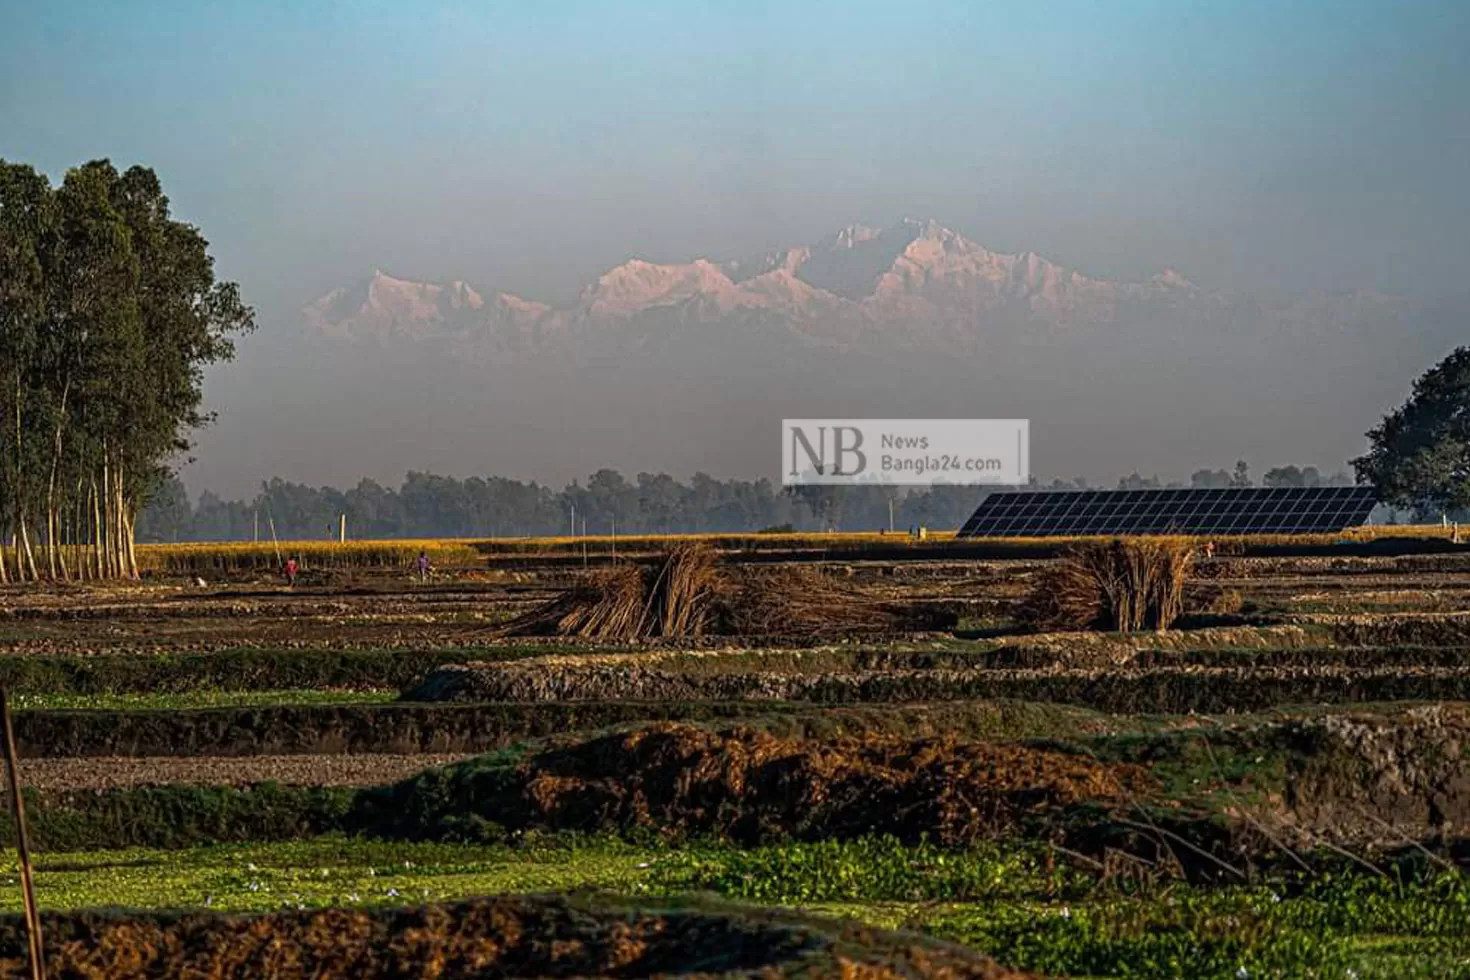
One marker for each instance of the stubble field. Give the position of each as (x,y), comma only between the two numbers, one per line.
(1276,787)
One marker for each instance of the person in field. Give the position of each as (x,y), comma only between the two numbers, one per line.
(421,565)
(292,567)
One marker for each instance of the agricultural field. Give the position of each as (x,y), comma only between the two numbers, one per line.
(804,755)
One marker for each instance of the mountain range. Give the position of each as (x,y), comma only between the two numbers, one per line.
(689,366)
(915,285)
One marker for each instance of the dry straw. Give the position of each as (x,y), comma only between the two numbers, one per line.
(1125,584)
(688,592)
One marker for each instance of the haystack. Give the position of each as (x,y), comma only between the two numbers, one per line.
(688,592)
(1125,584)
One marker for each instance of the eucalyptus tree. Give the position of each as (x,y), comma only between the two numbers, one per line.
(109,313)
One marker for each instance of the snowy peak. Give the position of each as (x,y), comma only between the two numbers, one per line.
(406,299)
(908,279)
(637,285)
(511,305)
(383,306)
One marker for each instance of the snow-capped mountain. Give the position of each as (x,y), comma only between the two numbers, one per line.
(690,365)
(914,285)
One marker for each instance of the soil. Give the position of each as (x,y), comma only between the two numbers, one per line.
(464,611)
(492,937)
(1309,631)
(1120,690)
(748,785)
(463,729)
(1369,778)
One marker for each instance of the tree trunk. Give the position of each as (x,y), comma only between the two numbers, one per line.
(53,559)
(30,557)
(97,530)
(129,520)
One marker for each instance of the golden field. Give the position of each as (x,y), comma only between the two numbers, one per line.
(241,556)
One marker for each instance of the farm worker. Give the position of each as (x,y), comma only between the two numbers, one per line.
(422,563)
(292,567)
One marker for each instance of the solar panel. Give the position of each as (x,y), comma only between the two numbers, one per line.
(1264,510)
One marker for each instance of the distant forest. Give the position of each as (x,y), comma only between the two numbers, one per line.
(430,506)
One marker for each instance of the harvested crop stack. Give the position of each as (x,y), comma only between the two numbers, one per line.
(673,596)
(1124,584)
(688,593)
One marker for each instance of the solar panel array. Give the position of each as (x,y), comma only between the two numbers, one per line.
(1271,510)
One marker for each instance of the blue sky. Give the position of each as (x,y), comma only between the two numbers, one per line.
(529,145)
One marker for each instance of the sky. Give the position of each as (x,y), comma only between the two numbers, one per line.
(1253,144)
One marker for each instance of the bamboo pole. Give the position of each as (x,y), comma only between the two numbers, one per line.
(18,812)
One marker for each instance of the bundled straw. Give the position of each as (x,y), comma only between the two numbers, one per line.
(1125,584)
(688,593)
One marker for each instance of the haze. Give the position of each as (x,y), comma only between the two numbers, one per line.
(1285,152)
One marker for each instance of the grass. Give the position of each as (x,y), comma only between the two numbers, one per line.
(319,873)
(1009,902)
(234,670)
(1013,900)
(176,817)
(168,701)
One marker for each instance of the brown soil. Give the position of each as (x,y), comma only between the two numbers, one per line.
(385,613)
(747,785)
(466,729)
(1393,779)
(492,937)
(114,772)
(1116,689)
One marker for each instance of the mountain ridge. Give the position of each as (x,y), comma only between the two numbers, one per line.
(859,280)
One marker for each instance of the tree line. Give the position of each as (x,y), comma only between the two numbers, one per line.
(426,505)
(109,312)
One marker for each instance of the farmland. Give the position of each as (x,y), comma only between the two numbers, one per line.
(1274,787)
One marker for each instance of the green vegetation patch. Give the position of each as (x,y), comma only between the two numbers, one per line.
(245,669)
(1016,903)
(186,700)
(178,816)
(323,872)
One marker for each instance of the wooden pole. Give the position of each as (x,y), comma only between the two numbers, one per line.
(18,813)
(342,529)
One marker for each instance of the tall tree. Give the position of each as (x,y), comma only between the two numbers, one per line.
(1419,455)
(27,252)
(109,312)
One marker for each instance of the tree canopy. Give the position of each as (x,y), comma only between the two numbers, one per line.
(109,313)
(1419,455)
